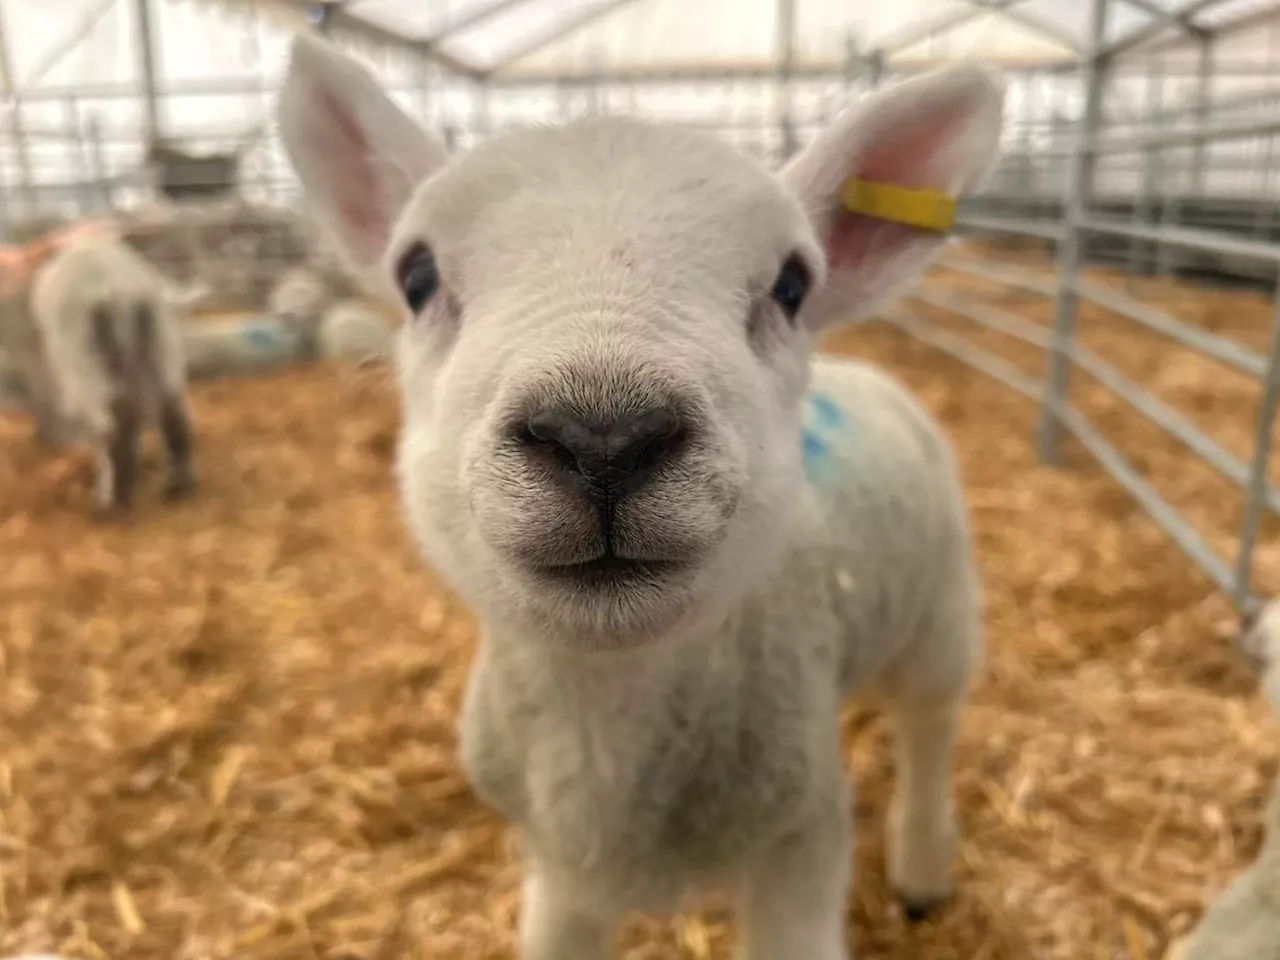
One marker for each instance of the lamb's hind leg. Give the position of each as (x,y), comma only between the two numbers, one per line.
(922,835)
(117,461)
(168,390)
(924,695)
(50,431)
(118,435)
(175,426)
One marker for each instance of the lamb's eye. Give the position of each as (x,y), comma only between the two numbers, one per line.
(791,286)
(418,277)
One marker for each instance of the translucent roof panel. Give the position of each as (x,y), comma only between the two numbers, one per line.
(39,58)
(648,34)
(1072,18)
(990,36)
(521,26)
(1229,11)
(208,38)
(558,36)
(414,19)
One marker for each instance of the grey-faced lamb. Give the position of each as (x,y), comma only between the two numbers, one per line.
(1243,923)
(111,329)
(686,539)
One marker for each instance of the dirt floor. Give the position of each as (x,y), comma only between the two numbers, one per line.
(227,729)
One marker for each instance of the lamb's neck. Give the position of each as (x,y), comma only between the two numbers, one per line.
(610,681)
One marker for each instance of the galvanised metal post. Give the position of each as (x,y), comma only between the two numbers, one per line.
(145,37)
(784,89)
(1084,160)
(877,68)
(1141,253)
(1267,202)
(1256,498)
(77,160)
(1204,84)
(98,163)
(852,64)
(481,115)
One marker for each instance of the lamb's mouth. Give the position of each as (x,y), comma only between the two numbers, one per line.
(610,571)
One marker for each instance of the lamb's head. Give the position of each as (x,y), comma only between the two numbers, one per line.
(610,326)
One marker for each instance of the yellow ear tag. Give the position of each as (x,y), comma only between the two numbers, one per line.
(924,209)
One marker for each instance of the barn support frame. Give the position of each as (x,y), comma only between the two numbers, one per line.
(1161,234)
(1080,188)
(1256,499)
(146,42)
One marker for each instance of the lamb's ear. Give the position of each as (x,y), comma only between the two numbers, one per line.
(358,155)
(937,131)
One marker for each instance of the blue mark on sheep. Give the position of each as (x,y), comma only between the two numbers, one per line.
(815,451)
(824,420)
(264,337)
(824,408)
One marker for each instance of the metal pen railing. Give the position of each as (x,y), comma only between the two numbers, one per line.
(1066,289)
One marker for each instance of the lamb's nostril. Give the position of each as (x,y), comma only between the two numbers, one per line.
(638,446)
(613,459)
(573,443)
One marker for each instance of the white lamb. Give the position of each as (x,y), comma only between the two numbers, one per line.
(1243,923)
(353,330)
(299,299)
(114,342)
(686,540)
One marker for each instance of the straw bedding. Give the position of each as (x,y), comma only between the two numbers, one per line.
(228,728)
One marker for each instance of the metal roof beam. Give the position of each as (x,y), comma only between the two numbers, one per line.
(471,19)
(564,28)
(341,21)
(739,71)
(1010,11)
(943,23)
(1171,18)
(1187,25)
(73,38)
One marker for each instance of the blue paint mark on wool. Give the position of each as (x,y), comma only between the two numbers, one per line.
(826,411)
(264,337)
(815,451)
(823,421)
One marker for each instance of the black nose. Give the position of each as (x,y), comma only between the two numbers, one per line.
(613,459)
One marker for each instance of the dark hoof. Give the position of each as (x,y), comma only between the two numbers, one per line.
(918,911)
(110,513)
(179,488)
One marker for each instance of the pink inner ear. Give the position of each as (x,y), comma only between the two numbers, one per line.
(905,158)
(353,176)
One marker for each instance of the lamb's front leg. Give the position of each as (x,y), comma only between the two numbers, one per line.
(794,899)
(556,923)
